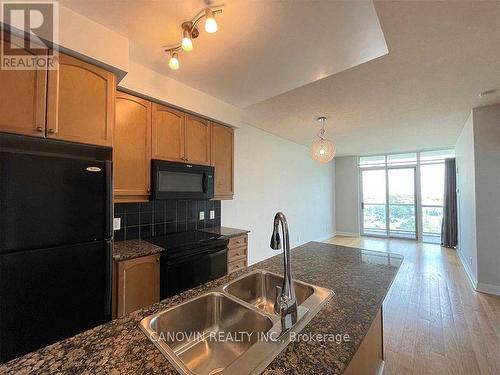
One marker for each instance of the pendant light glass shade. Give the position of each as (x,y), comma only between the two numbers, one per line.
(323,150)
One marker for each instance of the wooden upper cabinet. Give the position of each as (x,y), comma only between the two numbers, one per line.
(132,148)
(81,102)
(197,140)
(22,99)
(167,133)
(222,144)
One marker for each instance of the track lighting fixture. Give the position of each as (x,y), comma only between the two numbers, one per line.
(190,31)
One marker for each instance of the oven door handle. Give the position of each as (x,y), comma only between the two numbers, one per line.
(183,258)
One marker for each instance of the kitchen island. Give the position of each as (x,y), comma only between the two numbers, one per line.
(359,278)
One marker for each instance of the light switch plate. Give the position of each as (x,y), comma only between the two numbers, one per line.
(117,223)
(202,215)
(212,214)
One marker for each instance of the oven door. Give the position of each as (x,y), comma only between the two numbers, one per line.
(178,274)
(172,180)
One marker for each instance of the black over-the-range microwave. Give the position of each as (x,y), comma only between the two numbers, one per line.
(171,180)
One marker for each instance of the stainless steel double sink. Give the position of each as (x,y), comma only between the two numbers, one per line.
(232,330)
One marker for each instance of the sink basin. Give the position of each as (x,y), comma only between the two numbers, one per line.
(259,289)
(193,334)
(232,330)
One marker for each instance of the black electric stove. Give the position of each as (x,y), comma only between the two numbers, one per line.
(190,259)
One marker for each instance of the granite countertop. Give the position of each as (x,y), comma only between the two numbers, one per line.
(226,231)
(124,250)
(360,279)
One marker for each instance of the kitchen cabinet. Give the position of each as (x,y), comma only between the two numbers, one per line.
(138,283)
(73,103)
(167,133)
(197,140)
(22,99)
(368,359)
(237,253)
(180,137)
(222,147)
(80,102)
(132,148)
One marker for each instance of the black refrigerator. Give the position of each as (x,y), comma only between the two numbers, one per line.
(55,248)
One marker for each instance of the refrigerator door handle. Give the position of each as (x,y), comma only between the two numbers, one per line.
(109,200)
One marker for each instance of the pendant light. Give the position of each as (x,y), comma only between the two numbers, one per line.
(322,150)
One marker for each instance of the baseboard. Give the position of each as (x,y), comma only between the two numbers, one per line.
(347,234)
(488,288)
(327,237)
(468,272)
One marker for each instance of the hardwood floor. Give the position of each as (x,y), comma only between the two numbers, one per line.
(434,322)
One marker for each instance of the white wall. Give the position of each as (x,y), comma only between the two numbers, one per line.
(273,174)
(347,195)
(478,163)
(467,246)
(487,171)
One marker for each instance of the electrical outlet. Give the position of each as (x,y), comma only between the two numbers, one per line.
(212,214)
(202,215)
(117,223)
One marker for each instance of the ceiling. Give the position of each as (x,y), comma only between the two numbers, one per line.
(262,48)
(286,63)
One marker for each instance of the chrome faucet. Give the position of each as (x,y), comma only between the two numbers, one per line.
(286,303)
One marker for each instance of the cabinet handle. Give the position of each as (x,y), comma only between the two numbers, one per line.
(39,129)
(52,131)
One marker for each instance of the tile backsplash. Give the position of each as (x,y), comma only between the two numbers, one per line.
(155,218)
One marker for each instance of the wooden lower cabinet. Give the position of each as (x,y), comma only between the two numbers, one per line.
(369,357)
(132,149)
(137,283)
(237,254)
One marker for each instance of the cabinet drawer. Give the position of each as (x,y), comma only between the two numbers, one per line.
(237,241)
(237,253)
(236,265)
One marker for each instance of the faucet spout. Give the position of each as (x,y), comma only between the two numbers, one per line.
(286,302)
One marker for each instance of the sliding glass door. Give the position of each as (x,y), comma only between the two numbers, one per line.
(432,191)
(374,202)
(402,202)
(388,202)
(402,194)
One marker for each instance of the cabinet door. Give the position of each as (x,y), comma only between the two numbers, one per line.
(81,102)
(138,283)
(197,140)
(167,133)
(132,148)
(22,99)
(222,144)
